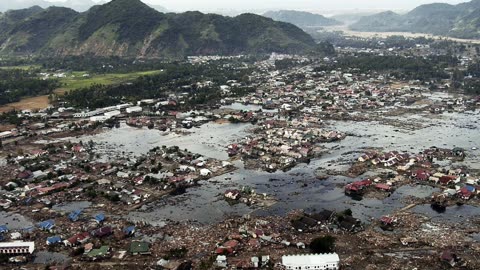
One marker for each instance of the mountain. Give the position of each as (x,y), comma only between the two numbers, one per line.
(78,5)
(350,18)
(130,28)
(300,18)
(459,21)
(159,8)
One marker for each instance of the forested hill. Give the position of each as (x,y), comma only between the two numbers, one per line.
(130,28)
(301,18)
(461,21)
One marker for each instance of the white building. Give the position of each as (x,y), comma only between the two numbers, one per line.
(6,134)
(112,113)
(329,261)
(17,248)
(99,118)
(134,109)
(123,106)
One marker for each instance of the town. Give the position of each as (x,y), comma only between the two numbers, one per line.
(282,163)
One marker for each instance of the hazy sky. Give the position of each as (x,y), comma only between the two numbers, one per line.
(314,5)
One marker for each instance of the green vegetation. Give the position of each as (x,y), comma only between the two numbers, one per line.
(460,21)
(76,80)
(300,18)
(418,68)
(129,28)
(173,79)
(17,83)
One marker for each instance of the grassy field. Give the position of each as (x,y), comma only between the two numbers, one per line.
(70,83)
(76,80)
(31,103)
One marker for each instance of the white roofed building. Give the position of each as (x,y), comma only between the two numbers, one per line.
(13,248)
(329,261)
(134,109)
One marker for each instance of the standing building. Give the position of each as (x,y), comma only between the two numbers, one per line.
(329,261)
(17,248)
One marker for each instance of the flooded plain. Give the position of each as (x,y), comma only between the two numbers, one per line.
(299,188)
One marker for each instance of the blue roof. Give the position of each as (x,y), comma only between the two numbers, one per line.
(28,229)
(129,230)
(470,188)
(3,228)
(99,217)
(73,216)
(47,224)
(54,239)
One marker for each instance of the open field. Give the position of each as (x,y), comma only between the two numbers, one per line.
(71,83)
(76,80)
(351,33)
(32,103)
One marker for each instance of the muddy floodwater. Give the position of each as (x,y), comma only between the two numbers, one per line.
(14,221)
(299,188)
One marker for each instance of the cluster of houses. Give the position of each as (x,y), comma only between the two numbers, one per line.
(58,170)
(281,144)
(85,242)
(421,168)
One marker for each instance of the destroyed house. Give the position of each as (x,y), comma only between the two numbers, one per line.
(324,216)
(102,232)
(309,221)
(357,186)
(77,239)
(299,226)
(53,240)
(128,231)
(100,252)
(447,179)
(99,218)
(383,187)
(47,225)
(349,223)
(466,192)
(421,175)
(139,248)
(75,215)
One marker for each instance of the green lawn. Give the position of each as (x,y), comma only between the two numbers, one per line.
(78,81)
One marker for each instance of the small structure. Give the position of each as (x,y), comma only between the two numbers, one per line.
(139,248)
(3,229)
(129,231)
(99,218)
(74,216)
(103,251)
(449,257)
(232,194)
(47,225)
(53,240)
(134,109)
(103,232)
(221,261)
(329,261)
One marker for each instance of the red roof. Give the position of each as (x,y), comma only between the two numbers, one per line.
(231,244)
(387,220)
(447,179)
(383,187)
